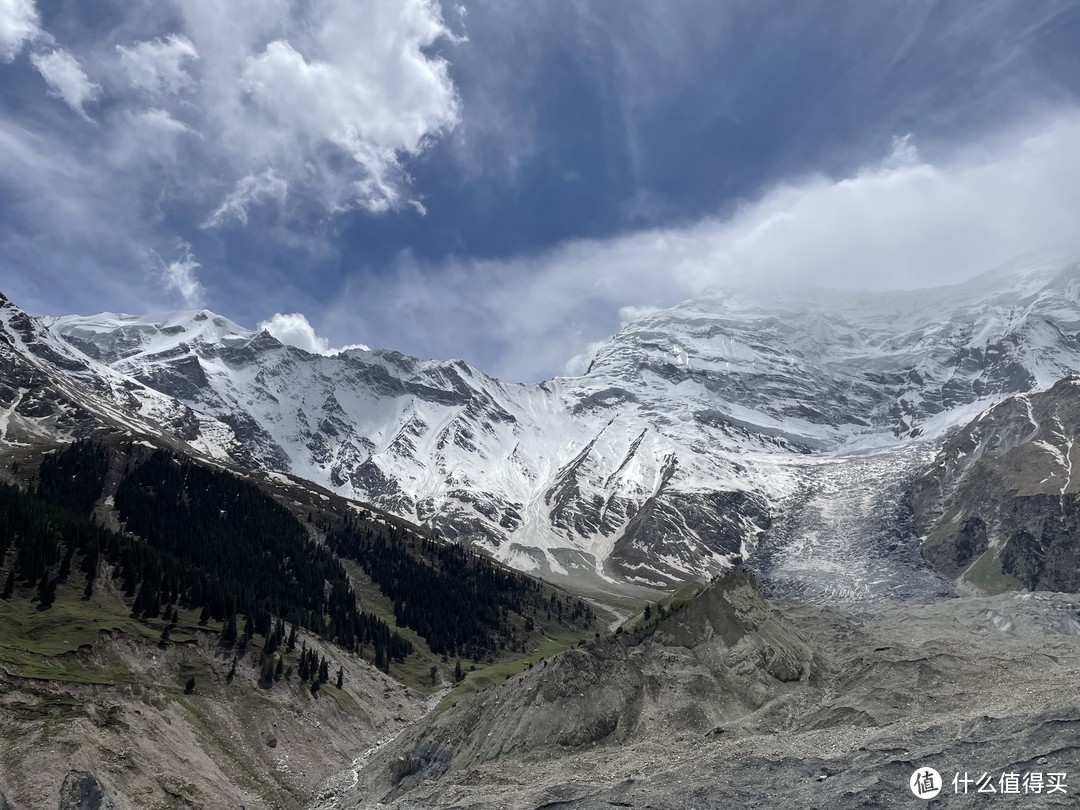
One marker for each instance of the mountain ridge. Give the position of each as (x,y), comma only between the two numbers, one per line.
(665,462)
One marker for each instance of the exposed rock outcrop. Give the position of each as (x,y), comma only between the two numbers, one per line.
(1000,508)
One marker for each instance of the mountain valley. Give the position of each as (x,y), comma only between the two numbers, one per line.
(765,550)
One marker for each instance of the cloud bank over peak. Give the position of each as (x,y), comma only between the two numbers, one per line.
(293,329)
(902,222)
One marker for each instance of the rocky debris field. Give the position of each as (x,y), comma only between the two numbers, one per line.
(733,703)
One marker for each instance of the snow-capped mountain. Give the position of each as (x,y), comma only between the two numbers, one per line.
(49,390)
(664,460)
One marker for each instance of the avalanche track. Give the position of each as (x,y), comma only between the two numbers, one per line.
(846,535)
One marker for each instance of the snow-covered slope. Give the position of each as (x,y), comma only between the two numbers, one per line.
(50,390)
(663,461)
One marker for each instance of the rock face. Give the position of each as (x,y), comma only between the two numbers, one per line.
(82,791)
(664,462)
(142,743)
(1001,504)
(815,708)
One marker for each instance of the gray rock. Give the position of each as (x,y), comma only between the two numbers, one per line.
(82,791)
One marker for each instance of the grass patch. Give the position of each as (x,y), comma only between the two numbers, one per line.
(487,675)
(51,644)
(986,573)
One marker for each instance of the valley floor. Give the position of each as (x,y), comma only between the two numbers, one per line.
(966,686)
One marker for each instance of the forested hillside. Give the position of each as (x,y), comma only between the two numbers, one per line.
(198,538)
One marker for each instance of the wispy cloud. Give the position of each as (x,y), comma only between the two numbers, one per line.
(180,276)
(19,24)
(158,66)
(254,189)
(67,80)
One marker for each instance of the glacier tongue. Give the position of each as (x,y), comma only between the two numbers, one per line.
(847,535)
(669,459)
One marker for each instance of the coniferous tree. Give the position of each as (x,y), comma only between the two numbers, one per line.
(163,642)
(189,687)
(266,672)
(292,638)
(228,634)
(46,592)
(459,675)
(279,670)
(65,565)
(341,677)
(315,684)
(324,671)
(9,584)
(204,616)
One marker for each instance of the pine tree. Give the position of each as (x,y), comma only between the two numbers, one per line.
(279,670)
(266,672)
(46,592)
(340,677)
(204,616)
(9,584)
(458,674)
(228,634)
(65,565)
(189,687)
(315,684)
(434,674)
(292,638)
(163,642)
(249,629)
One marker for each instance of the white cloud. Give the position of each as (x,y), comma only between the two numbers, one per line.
(905,222)
(159,65)
(293,329)
(250,190)
(19,25)
(577,365)
(66,79)
(180,277)
(333,96)
(630,314)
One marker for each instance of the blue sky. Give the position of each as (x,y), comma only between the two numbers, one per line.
(508,182)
